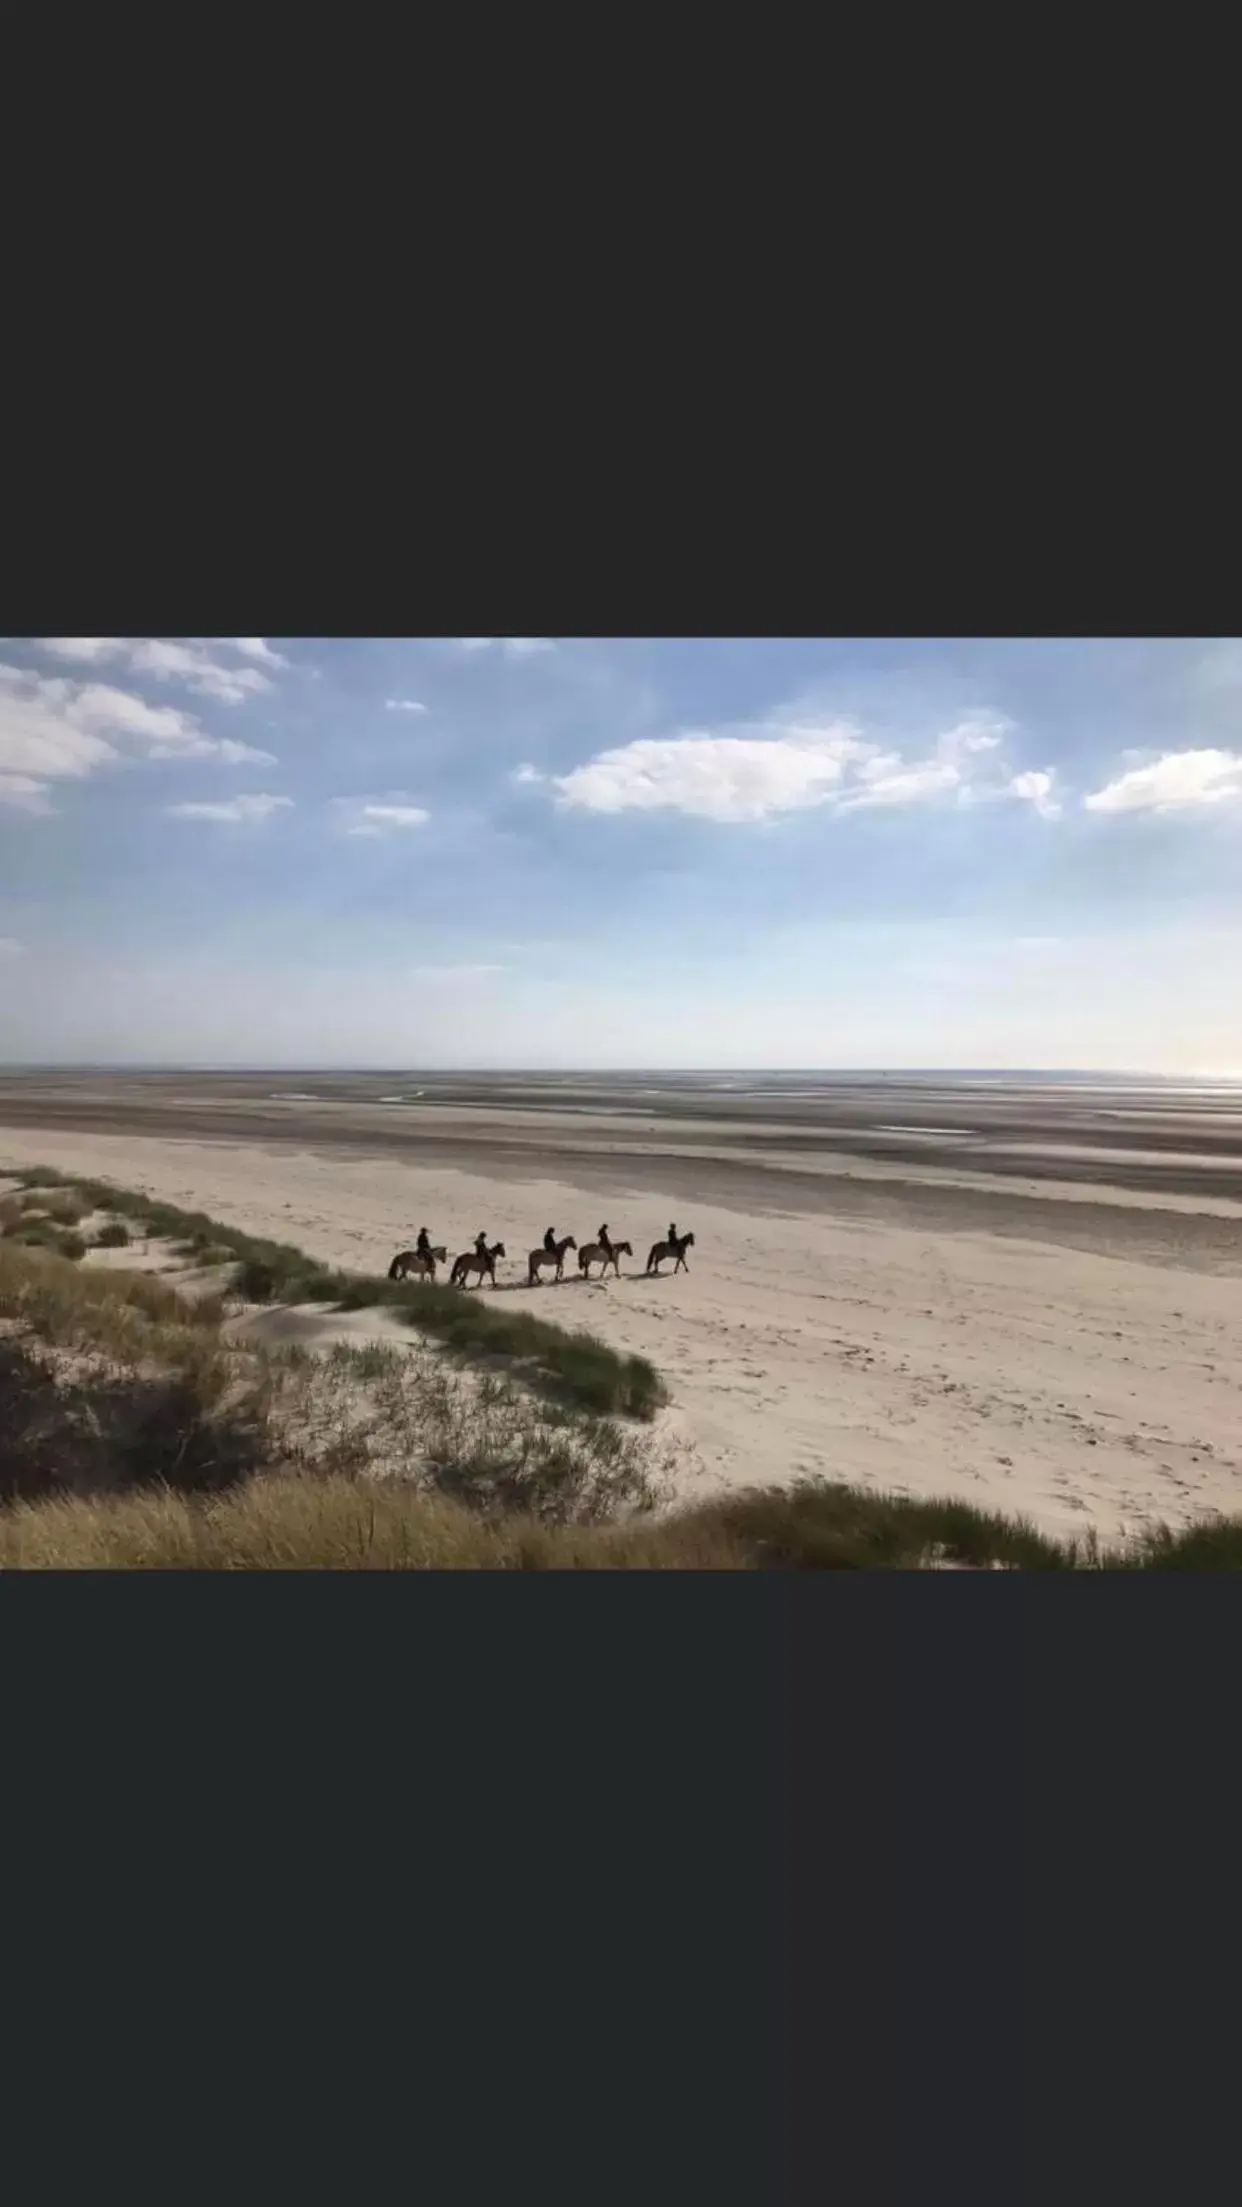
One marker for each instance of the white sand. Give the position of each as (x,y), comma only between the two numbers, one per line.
(1082,1389)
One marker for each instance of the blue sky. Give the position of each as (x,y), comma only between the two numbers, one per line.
(641,852)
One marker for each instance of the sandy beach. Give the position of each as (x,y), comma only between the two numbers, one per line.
(1030,1298)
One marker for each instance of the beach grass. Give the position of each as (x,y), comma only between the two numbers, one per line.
(293,1521)
(113,1380)
(572,1365)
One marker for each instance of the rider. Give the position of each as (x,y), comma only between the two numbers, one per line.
(602,1238)
(549,1242)
(672,1229)
(480,1246)
(424,1242)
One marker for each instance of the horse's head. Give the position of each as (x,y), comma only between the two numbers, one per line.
(687,1241)
(569,1242)
(622,1249)
(440,1254)
(498,1249)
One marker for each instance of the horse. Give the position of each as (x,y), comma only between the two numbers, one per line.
(476,1260)
(423,1268)
(662,1249)
(541,1257)
(594,1252)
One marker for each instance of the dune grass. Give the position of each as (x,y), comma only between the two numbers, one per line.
(114,1379)
(572,1365)
(296,1523)
(291,1521)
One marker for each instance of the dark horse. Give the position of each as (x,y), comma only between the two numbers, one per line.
(662,1249)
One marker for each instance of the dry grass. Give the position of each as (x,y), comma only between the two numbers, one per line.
(480,1439)
(297,1523)
(112,1379)
(125,1313)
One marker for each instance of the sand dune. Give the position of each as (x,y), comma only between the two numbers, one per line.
(1080,1360)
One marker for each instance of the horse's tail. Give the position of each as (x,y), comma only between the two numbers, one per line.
(532,1270)
(394,1269)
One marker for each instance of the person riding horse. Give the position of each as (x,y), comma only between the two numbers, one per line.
(549,1241)
(672,1230)
(602,1239)
(423,1244)
(480,1244)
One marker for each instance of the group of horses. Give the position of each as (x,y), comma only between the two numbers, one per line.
(408,1264)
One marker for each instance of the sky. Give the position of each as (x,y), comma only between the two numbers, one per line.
(627,852)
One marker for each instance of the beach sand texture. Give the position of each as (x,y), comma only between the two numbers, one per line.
(1032,1300)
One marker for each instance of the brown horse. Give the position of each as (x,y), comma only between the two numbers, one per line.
(595,1253)
(423,1268)
(476,1260)
(541,1258)
(662,1249)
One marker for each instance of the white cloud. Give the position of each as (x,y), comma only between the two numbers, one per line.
(24,794)
(724,778)
(83,648)
(54,729)
(887,780)
(255,808)
(98,705)
(45,736)
(379,815)
(1181,781)
(257,647)
(1035,788)
(403,705)
(166,659)
(790,763)
(10,947)
(526,773)
(242,754)
(514,647)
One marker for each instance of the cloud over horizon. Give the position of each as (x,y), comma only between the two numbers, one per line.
(645,851)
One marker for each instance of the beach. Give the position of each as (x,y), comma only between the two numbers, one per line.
(1026,1294)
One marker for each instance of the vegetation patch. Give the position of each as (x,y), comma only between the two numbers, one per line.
(575,1367)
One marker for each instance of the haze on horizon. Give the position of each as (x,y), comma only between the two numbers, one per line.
(570,854)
